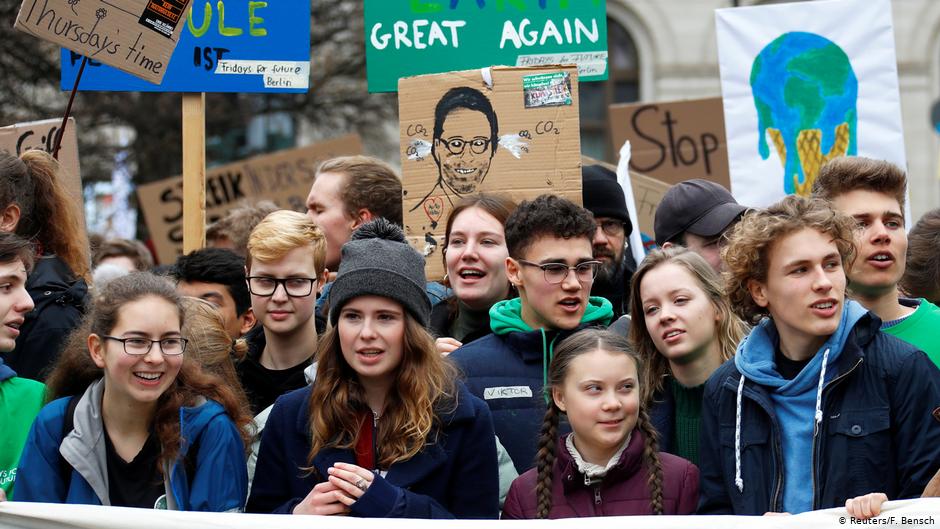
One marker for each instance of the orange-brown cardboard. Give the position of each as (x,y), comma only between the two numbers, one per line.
(137,36)
(538,149)
(674,141)
(283,177)
(41,135)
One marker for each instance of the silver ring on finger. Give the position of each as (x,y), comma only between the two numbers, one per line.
(361,484)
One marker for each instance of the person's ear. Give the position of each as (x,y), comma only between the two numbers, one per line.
(10,218)
(513,272)
(248,321)
(758,292)
(363,216)
(96,349)
(559,397)
(667,245)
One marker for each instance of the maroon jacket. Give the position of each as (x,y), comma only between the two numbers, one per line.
(623,491)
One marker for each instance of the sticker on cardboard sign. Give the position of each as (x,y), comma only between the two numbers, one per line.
(162,16)
(547,90)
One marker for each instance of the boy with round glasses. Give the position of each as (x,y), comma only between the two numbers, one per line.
(285,262)
(551,263)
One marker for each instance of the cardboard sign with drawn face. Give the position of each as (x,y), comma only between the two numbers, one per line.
(503,130)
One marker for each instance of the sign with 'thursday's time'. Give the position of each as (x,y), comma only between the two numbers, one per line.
(415,37)
(137,36)
(248,46)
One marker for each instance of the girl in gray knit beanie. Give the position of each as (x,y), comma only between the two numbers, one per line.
(387,429)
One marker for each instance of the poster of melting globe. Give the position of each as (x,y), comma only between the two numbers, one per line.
(803,83)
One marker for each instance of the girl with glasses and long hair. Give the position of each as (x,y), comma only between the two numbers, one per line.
(136,421)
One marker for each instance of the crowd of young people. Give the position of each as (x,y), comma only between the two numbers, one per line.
(763,360)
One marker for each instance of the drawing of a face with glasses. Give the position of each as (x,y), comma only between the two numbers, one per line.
(465,139)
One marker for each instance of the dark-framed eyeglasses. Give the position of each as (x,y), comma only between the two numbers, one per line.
(555,273)
(295,287)
(137,346)
(456,145)
(611,226)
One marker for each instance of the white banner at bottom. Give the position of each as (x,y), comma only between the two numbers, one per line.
(905,514)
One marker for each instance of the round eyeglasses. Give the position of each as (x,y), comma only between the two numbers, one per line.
(456,145)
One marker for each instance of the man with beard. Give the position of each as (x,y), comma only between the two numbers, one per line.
(603,196)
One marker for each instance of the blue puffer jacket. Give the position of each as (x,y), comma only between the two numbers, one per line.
(219,483)
(453,476)
(879,430)
(507,369)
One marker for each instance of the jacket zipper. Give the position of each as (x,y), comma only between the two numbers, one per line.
(817,427)
(778,486)
(375,446)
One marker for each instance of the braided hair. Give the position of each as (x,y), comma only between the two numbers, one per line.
(586,341)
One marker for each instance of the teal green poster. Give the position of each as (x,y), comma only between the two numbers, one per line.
(415,37)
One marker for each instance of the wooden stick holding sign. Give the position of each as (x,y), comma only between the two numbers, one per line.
(194,171)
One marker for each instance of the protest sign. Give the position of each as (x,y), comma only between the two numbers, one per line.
(137,36)
(804,83)
(432,36)
(225,46)
(674,141)
(283,177)
(19,138)
(507,130)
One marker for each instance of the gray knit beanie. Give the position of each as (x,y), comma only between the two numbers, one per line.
(378,261)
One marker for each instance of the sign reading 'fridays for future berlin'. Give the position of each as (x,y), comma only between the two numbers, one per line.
(225,46)
(416,37)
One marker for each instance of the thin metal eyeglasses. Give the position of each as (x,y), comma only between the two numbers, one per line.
(555,273)
(611,227)
(295,287)
(141,346)
(456,145)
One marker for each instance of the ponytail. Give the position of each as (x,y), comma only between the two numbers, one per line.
(52,215)
(545,460)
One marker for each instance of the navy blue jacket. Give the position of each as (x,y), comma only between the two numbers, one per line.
(506,370)
(663,416)
(878,432)
(452,477)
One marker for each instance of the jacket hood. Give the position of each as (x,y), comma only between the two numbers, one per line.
(506,316)
(755,355)
(793,399)
(5,371)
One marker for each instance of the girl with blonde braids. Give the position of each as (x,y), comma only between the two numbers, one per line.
(610,464)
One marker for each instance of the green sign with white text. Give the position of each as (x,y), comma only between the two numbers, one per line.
(415,37)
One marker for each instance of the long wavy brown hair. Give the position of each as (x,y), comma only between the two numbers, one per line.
(730,329)
(586,341)
(75,370)
(49,214)
(424,388)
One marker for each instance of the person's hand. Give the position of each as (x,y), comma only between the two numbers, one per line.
(324,499)
(445,345)
(932,490)
(867,506)
(3,495)
(353,480)
(771,513)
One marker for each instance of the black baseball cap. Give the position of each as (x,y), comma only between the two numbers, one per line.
(700,207)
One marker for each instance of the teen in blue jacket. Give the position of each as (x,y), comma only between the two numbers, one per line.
(818,406)
(142,425)
(551,264)
(386,429)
